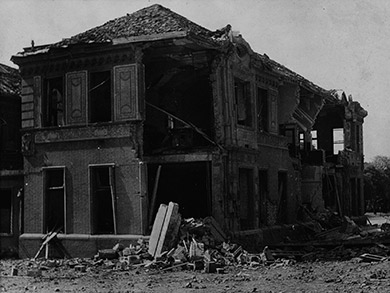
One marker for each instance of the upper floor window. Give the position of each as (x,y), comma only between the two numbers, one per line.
(243,102)
(314,139)
(262,109)
(53,102)
(338,140)
(100,96)
(82,97)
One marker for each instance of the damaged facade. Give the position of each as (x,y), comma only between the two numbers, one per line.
(11,161)
(151,108)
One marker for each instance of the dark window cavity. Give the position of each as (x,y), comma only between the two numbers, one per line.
(243,101)
(100,96)
(103,200)
(55,200)
(53,102)
(262,109)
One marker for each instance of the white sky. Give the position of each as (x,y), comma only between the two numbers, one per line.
(336,44)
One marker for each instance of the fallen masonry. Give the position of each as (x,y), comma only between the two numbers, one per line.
(201,245)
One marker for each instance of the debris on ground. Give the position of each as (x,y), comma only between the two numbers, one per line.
(192,244)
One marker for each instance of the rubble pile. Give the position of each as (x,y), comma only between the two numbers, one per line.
(201,245)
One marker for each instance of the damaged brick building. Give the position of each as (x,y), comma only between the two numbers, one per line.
(150,108)
(11,161)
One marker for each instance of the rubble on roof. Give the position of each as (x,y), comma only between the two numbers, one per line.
(10,80)
(157,22)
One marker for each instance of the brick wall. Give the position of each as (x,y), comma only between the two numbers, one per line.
(76,157)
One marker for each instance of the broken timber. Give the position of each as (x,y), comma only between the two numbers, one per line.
(165,229)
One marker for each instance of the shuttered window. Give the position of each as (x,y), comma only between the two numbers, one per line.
(126,105)
(76,98)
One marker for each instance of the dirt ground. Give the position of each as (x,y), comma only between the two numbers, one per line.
(281,276)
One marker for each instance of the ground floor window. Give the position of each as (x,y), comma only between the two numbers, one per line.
(263,195)
(246,198)
(103,212)
(5,211)
(55,200)
(282,195)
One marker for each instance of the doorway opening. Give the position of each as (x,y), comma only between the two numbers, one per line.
(187,184)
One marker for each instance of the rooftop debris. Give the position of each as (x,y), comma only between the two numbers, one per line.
(10,80)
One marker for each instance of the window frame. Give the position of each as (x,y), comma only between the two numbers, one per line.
(249,221)
(11,222)
(45,195)
(337,142)
(248,102)
(262,122)
(91,190)
(90,88)
(46,102)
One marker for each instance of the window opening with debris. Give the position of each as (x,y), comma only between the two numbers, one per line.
(188,184)
(55,200)
(100,97)
(262,109)
(179,109)
(5,211)
(245,192)
(243,102)
(103,211)
(338,140)
(53,102)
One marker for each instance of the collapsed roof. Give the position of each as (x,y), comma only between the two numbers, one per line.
(157,23)
(9,80)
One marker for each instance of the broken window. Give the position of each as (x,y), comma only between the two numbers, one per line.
(103,210)
(314,139)
(245,192)
(338,140)
(262,109)
(5,211)
(53,102)
(243,101)
(100,96)
(55,199)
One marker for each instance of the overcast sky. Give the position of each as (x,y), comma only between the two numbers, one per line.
(341,44)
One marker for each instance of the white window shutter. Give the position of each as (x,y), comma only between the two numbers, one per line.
(126,103)
(76,98)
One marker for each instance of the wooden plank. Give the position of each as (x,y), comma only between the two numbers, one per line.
(169,229)
(48,238)
(154,194)
(157,227)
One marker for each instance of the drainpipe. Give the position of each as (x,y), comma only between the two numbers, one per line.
(140,164)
